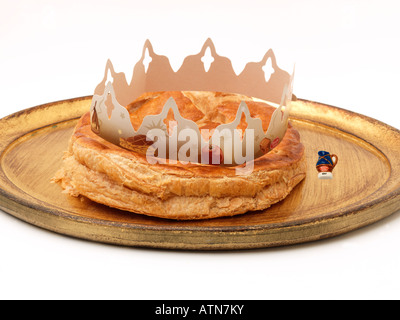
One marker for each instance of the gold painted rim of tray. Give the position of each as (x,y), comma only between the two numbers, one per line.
(365,187)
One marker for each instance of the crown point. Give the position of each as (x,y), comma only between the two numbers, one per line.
(209,44)
(109,66)
(269,56)
(147,45)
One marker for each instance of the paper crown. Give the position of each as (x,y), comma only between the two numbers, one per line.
(110,118)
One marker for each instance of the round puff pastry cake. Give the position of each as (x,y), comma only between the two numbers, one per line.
(123,179)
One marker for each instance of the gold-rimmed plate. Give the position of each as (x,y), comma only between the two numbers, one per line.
(365,187)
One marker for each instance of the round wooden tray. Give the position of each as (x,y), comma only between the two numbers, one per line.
(365,187)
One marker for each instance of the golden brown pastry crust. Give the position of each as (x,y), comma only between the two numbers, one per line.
(111,175)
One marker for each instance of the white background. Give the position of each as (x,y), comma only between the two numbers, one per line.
(346,54)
